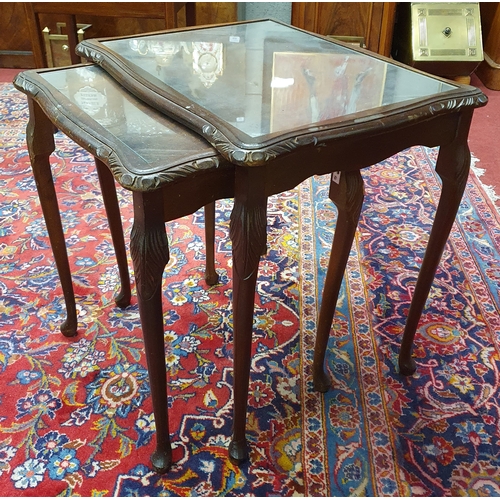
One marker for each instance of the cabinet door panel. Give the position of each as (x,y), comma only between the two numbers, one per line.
(344,19)
(374,21)
(107,19)
(15,44)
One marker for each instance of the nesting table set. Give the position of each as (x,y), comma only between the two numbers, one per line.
(246,110)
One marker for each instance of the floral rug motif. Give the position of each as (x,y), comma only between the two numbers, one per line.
(76,415)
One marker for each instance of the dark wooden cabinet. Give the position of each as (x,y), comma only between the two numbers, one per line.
(489,69)
(107,19)
(373,21)
(15,44)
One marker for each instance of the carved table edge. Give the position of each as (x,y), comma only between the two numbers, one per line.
(28,83)
(417,109)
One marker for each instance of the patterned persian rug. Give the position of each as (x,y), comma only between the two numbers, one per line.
(76,415)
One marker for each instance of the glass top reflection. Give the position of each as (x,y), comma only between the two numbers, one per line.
(148,135)
(265,78)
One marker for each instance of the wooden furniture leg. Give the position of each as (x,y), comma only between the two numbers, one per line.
(112,207)
(108,190)
(248,236)
(40,142)
(150,254)
(211,276)
(190,13)
(453,167)
(348,196)
(72,31)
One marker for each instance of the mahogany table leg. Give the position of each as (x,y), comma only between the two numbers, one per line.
(453,167)
(348,196)
(211,276)
(112,207)
(248,236)
(40,141)
(150,254)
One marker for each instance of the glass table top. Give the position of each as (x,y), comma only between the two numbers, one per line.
(264,78)
(258,90)
(151,140)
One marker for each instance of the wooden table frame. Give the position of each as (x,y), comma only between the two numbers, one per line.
(440,122)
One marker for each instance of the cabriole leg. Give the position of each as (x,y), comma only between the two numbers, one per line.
(348,196)
(211,276)
(40,139)
(112,207)
(453,167)
(150,254)
(248,236)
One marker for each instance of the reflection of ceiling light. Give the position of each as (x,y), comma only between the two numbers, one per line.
(281,83)
(85,74)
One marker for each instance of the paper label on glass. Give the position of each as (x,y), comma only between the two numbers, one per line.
(90,100)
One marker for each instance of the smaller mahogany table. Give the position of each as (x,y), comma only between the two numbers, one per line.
(171,171)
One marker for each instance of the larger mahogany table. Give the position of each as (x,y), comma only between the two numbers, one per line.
(280,105)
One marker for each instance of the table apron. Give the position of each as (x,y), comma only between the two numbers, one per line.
(187,195)
(355,152)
